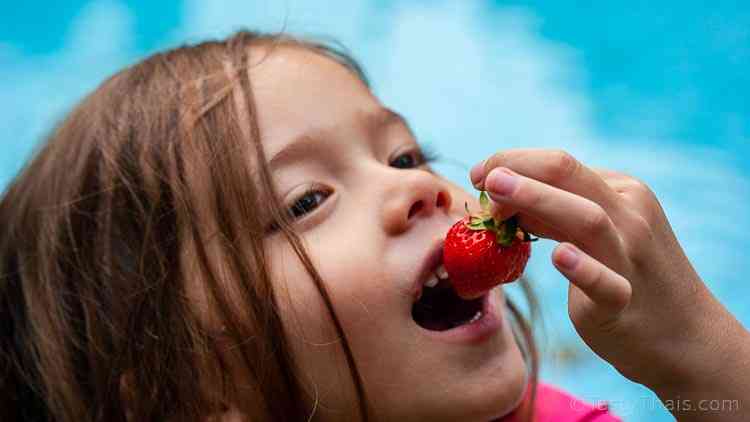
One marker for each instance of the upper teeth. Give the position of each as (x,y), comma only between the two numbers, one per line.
(441,272)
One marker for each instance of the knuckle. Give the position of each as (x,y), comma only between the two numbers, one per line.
(622,175)
(605,172)
(641,229)
(639,234)
(640,189)
(596,221)
(562,166)
(495,160)
(645,204)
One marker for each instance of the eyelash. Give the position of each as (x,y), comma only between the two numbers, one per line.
(424,155)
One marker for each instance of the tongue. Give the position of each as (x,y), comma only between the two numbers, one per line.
(440,309)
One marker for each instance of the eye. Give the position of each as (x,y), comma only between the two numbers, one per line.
(308,201)
(303,204)
(414,158)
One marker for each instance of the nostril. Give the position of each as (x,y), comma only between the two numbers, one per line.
(440,200)
(415,208)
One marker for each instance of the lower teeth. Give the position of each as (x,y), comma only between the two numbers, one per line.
(476,317)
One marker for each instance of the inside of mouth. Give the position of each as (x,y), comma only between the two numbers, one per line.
(440,309)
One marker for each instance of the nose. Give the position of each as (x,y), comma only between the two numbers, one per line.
(412,195)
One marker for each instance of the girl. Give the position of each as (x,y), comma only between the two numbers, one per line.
(239,230)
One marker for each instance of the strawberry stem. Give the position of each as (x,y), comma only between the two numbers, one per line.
(505,231)
(484,202)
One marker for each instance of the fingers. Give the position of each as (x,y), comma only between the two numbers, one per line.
(583,221)
(530,224)
(619,182)
(609,174)
(557,168)
(609,291)
(502,211)
(637,196)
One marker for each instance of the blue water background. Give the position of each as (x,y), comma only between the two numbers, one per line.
(655,89)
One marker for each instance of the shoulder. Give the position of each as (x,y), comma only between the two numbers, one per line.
(555,404)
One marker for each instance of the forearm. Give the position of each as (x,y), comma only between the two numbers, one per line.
(714,383)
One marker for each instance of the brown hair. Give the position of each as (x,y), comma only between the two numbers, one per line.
(97,229)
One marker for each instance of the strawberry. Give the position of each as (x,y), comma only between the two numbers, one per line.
(479,252)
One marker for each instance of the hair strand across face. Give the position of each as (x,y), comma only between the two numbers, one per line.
(152,196)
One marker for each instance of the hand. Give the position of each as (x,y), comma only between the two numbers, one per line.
(634,297)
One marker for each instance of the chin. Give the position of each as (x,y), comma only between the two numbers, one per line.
(495,387)
(500,389)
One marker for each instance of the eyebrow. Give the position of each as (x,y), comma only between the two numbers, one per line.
(308,144)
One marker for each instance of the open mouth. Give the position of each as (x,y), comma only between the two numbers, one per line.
(440,309)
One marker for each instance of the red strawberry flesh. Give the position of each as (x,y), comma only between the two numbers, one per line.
(475,259)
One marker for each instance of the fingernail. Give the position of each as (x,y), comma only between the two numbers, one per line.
(567,258)
(476,174)
(500,183)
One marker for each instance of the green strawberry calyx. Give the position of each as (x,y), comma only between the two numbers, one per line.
(505,231)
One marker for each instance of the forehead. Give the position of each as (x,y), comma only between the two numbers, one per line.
(297,91)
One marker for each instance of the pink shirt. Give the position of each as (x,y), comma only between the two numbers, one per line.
(555,405)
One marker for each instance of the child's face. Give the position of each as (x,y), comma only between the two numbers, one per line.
(369,249)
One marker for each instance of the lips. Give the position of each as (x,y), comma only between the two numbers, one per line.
(439,313)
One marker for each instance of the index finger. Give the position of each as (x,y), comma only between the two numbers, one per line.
(584,222)
(553,167)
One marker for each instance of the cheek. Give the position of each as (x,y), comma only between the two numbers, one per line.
(313,338)
(363,302)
